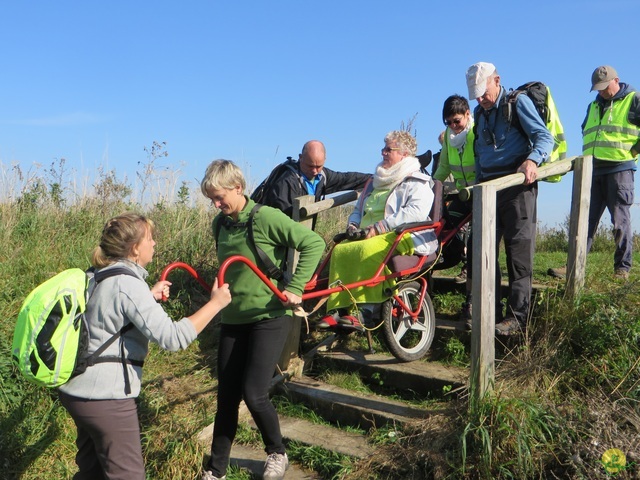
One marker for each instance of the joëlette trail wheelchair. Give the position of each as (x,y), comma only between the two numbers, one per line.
(407,318)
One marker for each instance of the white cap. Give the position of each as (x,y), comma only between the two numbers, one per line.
(477,76)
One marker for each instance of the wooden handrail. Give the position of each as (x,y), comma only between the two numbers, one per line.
(328,203)
(544,171)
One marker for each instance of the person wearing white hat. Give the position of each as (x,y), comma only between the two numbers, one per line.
(501,150)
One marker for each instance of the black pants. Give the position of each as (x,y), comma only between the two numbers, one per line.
(456,249)
(247,358)
(516,218)
(108,438)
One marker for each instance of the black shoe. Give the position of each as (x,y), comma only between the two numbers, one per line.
(462,276)
(466,314)
(560,272)
(509,326)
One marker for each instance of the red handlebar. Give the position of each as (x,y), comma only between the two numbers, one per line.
(221,272)
(188,268)
(256,270)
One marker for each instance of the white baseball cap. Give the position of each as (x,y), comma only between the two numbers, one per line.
(477,76)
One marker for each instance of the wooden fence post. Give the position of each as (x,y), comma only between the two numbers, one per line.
(483,291)
(578,225)
(290,349)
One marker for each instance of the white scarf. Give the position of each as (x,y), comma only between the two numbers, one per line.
(458,140)
(389,177)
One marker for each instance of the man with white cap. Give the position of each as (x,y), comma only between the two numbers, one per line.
(501,150)
(611,133)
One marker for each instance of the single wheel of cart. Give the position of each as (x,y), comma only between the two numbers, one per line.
(409,335)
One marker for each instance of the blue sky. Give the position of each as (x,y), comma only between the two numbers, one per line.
(97,82)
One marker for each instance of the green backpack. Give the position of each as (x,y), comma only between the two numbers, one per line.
(51,337)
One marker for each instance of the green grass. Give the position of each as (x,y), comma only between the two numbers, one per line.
(564,394)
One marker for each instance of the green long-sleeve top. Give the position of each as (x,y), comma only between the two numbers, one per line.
(275,233)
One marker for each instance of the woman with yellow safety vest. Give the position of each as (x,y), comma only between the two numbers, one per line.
(457,158)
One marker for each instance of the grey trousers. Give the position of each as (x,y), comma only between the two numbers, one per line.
(615,192)
(108,438)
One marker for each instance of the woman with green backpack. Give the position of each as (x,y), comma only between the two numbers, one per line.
(101,400)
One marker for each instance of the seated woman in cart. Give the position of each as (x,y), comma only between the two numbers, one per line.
(397,194)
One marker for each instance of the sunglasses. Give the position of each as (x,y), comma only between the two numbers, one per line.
(389,149)
(455,121)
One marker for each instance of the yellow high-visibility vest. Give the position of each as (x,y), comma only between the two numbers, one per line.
(608,134)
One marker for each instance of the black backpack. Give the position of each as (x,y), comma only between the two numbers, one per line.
(275,175)
(537,92)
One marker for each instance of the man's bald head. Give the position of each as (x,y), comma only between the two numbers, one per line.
(312,158)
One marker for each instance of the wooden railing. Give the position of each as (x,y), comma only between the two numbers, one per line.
(483,291)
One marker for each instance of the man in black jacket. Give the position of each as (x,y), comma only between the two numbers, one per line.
(309,177)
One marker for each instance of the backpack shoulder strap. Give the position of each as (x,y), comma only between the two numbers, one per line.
(476,119)
(99,277)
(112,272)
(216,232)
(272,270)
(95,356)
(510,111)
(508,107)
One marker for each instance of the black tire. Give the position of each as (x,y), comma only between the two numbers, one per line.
(408,341)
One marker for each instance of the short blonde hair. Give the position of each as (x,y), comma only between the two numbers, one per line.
(222,174)
(119,236)
(405,141)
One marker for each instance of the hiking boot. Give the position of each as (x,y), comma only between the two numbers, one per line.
(462,276)
(208,475)
(466,314)
(275,466)
(328,321)
(350,322)
(621,274)
(509,326)
(557,272)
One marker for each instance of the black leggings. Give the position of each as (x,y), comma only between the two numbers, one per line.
(247,358)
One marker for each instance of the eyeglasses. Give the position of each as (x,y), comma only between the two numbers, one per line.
(389,149)
(488,136)
(455,121)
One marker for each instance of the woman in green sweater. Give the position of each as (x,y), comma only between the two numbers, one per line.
(256,324)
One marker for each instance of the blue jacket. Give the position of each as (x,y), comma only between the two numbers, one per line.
(501,148)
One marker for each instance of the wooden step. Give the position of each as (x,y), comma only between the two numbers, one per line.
(299,430)
(346,407)
(446,283)
(422,377)
(252,460)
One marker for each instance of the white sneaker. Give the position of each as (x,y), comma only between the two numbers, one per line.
(208,475)
(275,466)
